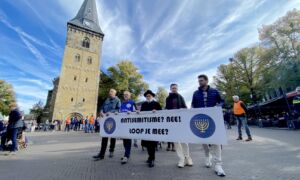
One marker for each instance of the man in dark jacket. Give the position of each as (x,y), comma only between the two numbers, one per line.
(176,101)
(150,105)
(111,105)
(207,96)
(14,124)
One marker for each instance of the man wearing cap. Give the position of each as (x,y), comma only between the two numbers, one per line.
(150,105)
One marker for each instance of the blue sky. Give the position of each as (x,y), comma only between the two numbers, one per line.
(170,40)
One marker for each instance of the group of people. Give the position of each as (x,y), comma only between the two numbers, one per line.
(89,124)
(204,96)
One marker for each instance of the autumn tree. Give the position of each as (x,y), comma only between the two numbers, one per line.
(7,97)
(161,96)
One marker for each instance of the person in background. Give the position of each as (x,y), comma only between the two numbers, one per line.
(226,114)
(176,101)
(68,124)
(97,124)
(15,123)
(111,105)
(91,124)
(127,106)
(150,105)
(240,113)
(86,124)
(207,96)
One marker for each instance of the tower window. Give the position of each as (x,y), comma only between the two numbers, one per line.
(86,42)
(86,79)
(83,100)
(89,60)
(77,58)
(75,77)
(72,99)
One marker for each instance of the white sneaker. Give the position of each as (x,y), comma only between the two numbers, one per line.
(208,162)
(181,163)
(219,170)
(189,161)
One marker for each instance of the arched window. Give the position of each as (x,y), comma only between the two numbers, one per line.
(77,58)
(89,60)
(75,77)
(71,99)
(86,42)
(83,100)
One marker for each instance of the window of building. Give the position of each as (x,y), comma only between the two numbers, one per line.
(86,79)
(83,100)
(86,42)
(72,99)
(77,58)
(89,60)
(75,77)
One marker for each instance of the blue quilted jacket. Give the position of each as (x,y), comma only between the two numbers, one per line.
(213,98)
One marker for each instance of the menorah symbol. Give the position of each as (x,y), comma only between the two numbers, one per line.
(109,126)
(202,125)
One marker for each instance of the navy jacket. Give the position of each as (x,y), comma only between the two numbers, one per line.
(213,98)
(14,119)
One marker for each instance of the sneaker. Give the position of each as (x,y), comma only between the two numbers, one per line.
(181,163)
(249,139)
(124,160)
(98,159)
(96,156)
(111,154)
(219,171)
(168,149)
(189,161)
(208,162)
(239,138)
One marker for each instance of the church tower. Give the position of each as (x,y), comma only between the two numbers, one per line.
(77,90)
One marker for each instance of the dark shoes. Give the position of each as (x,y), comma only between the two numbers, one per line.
(239,138)
(98,157)
(111,154)
(249,139)
(151,164)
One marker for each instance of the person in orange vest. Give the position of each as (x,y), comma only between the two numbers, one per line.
(91,124)
(240,113)
(68,122)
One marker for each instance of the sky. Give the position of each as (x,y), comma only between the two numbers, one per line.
(170,41)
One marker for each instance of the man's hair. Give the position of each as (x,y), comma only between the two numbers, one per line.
(127,92)
(236,97)
(173,84)
(203,76)
(113,90)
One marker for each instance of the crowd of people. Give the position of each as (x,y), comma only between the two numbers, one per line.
(87,124)
(204,96)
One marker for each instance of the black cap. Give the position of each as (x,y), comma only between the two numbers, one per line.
(149,92)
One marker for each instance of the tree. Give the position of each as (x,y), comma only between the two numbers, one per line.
(124,76)
(37,111)
(161,96)
(7,97)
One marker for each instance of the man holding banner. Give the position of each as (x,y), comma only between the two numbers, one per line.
(111,105)
(204,97)
(176,101)
(127,106)
(150,105)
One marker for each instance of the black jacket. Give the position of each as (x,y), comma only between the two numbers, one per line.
(179,100)
(146,106)
(14,119)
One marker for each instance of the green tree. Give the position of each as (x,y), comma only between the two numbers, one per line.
(37,110)
(122,76)
(7,97)
(161,96)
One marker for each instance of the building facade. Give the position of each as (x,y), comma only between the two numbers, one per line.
(77,90)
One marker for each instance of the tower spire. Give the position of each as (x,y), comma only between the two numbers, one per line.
(87,17)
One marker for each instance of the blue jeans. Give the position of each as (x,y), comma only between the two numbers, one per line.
(10,134)
(91,128)
(242,121)
(127,146)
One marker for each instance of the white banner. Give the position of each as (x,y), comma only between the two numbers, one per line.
(201,126)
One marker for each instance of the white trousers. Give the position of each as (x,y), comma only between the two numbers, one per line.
(213,151)
(182,150)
